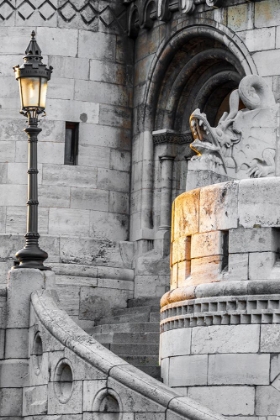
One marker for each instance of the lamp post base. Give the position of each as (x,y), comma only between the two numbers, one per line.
(31,256)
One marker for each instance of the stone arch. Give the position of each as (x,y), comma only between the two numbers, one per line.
(211,59)
(107,405)
(196,41)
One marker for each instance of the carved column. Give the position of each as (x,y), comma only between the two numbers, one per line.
(166,191)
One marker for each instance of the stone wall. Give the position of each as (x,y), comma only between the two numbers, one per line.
(53,368)
(84,208)
(171,80)
(220,322)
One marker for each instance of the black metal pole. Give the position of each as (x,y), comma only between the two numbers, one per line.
(32,256)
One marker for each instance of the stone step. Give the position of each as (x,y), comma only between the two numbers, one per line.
(126,327)
(142,317)
(128,338)
(142,361)
(134,349)
(135,310)
(132,303)
(153,371)
(155,317)
(138,317)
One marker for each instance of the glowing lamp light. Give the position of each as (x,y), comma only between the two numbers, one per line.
(33,77)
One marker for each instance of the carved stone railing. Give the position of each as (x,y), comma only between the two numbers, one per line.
(94,374)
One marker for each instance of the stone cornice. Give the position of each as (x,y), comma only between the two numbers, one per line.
(171,136)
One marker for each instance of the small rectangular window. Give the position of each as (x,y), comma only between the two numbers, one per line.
(71,143)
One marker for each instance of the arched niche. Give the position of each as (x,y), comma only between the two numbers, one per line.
(197,66)
(107,405)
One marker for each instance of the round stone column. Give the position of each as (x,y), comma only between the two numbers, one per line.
(166,191)
(220,322)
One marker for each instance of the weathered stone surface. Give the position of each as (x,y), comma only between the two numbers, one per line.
(225,339)
(240,17)
(111,226)
(69,176)
(253,240)
(112,180)
(223,399)
(267,401)
(90,389)
(218,207)
(69,222)
(274,367)
(47,152)
(270,10)
(65,41)
(2,343)
(175,342)
(14,373)
(183,273)
(70,67)
(259,39)
(256,202)
(96,45)
(261,264)
(35,400)
(206,269)
(188,370)
(238,266)
(270,338)
(185,215)
(118,202)
(120,160)
(89,199)
(180,250)
(10,402)
(21,284)
(16,343)
(101,71)
(63,109)
(96,303)
(106,136)
(115,116)
(73,406)
(132,404)
(164,371)
(239,369)
(206,244)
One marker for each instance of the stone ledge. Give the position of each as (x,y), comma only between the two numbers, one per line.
(223,288)
(258,309)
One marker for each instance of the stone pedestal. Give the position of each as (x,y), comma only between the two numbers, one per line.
(220,322)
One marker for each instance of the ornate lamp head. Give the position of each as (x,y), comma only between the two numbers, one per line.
(33,77)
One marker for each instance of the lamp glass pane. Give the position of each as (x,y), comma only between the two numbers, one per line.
(43,93)
(30,92)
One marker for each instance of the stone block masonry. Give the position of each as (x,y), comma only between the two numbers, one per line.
(92,80)
(65,372)
(225,312)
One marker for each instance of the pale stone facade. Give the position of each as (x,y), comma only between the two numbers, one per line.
(130,73)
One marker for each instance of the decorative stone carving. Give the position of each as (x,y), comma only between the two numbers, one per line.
(171,136)
(243,144)
(68,12)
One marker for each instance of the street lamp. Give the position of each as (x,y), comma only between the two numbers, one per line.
(33,77)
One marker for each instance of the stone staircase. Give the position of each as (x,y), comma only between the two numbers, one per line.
(133,334)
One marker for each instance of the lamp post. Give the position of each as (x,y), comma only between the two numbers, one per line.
(33,77)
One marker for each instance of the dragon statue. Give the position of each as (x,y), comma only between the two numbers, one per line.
(244,142)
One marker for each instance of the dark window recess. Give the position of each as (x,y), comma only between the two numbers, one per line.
(225,243)
(71,143)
